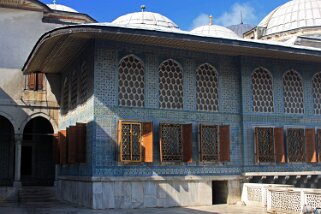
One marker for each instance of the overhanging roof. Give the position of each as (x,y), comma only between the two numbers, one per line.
(57,48)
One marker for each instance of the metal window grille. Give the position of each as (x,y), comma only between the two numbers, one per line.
(209,140)
(171,142)
(130,145)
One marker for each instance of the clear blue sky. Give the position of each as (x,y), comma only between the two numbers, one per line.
(185,13)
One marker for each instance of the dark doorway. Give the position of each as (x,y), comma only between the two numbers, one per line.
(219,192)
(26,161)
(6,152)
(37,166)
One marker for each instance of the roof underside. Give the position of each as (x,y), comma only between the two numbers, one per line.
(59,47)
(24,4)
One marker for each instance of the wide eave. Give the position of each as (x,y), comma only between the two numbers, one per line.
(59,47)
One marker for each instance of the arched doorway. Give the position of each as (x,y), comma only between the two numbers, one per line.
(37,165)
(6,152)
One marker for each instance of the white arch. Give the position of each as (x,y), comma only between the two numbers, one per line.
(11,120)
(39,114)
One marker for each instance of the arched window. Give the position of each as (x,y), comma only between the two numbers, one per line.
(293,93)
(131,82)
(65,95)
(170,85)
(84,81)
(262,86)
(207,88)
(316,82)
(74,89)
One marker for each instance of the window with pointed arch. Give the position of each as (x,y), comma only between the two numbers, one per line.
(131,82)
(74,89)
(293,93)
(84,81)
(170,85)
(65,95)
(207,88)
(316,83)
(262,87)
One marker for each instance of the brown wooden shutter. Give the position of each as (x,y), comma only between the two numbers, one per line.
(187,143)
(147,139)
(55,148)
(119,139)
(81,142)
(72,146)
(279,145)
(160,144)
(40,81)
(63,146)
(310,146)
(32,81)
(256,144)
(225,143)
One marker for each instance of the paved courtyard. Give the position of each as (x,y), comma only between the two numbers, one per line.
(62,208)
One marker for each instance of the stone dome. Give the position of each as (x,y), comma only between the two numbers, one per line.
(215,31)
(146,20)
(61,7)
(293,15)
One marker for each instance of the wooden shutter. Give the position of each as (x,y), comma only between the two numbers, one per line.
(279,145)
(55,148)
(147,141)
(63,146)
(32,81)
(119,139)
(40,81)
(187,143)
(225,143)
(72,146)
(81,142)
(256,144)
(310,146)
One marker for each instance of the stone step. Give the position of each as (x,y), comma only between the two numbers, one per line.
(36,194)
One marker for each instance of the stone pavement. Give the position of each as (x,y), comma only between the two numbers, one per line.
(62,208)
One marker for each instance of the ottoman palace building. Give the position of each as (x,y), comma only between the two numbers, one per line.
(138,113)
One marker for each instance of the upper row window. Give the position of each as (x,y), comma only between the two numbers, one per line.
(131,85)
(262,88)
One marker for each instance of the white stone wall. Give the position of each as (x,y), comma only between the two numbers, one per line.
(105,193)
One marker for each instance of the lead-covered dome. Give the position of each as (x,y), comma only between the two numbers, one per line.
(147,20)
(292,15)
(215,31)
(61,7)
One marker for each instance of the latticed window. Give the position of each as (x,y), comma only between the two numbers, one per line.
(264,141)
(131,82)
(176,142)
(293,93)
(317,93)
(207,88)
(262,86)
(209,142)
(135,141)
(74,90)
(65,95)
(170,85)
(295,145)
(214,143)
(269,145)
(84,81)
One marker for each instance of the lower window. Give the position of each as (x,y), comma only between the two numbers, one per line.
(135,140)
(176,142)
